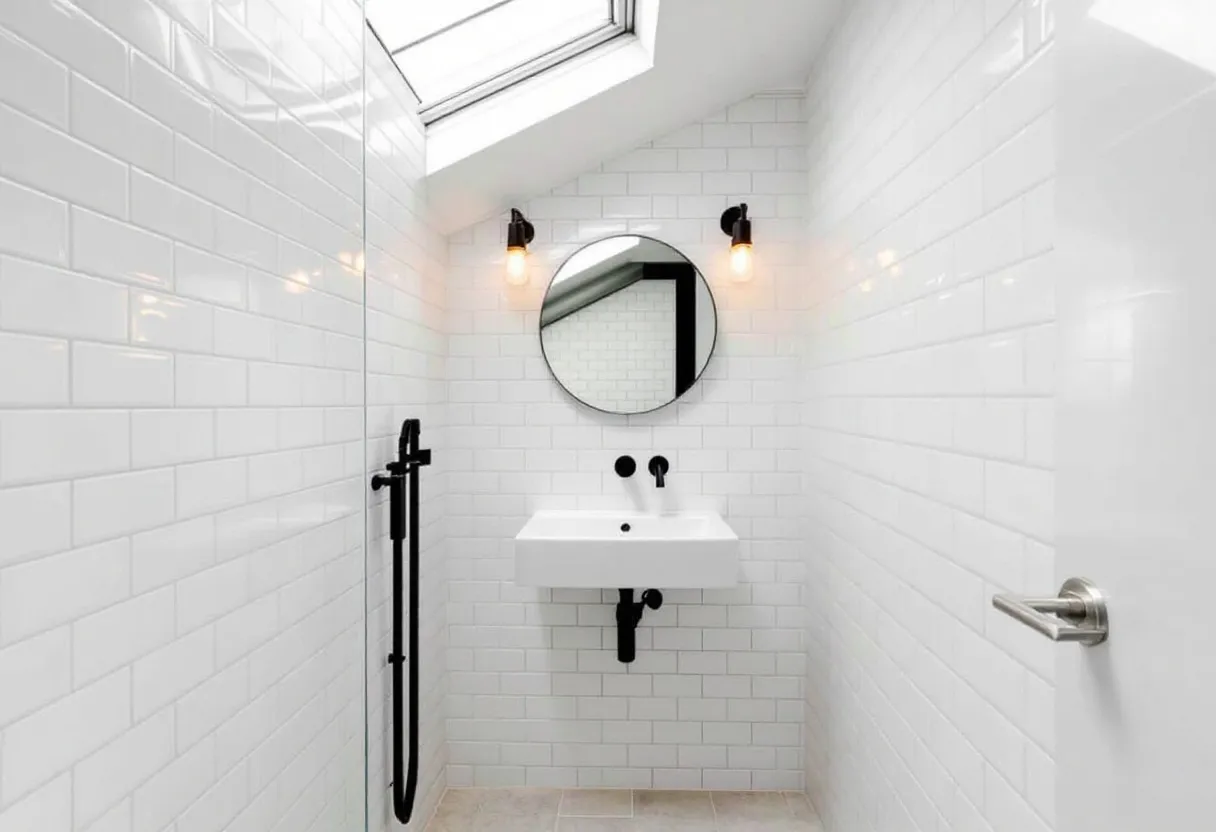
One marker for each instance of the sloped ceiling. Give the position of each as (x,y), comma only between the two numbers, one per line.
(708,54)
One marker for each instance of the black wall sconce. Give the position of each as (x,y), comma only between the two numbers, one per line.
(520,232)
(736,225)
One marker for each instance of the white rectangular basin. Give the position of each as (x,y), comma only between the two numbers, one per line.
(623,549)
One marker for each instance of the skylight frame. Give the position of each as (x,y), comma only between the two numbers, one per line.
(621,24)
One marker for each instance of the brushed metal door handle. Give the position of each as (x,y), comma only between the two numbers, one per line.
(1077,614)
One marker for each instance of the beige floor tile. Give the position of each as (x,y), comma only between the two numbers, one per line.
(565,824)
(662,824)
(458,802)
(768,825)
(599,803)
(750,806)
(512,823)
(520,802)
(455,811)
(800,806)
(675,805)
(607,810)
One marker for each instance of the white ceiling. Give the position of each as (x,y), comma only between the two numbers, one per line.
(708,54)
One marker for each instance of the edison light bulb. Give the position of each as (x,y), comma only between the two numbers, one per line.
(517,266)
(741,263)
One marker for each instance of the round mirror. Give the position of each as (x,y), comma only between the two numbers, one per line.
(628,324)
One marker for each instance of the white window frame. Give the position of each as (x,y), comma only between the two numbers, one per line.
(621,24)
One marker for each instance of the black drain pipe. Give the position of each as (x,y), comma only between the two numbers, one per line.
(409,459)
(628,616)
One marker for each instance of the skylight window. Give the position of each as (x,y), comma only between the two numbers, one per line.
(459,52)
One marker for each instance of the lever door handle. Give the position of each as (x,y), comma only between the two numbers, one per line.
(1077,614)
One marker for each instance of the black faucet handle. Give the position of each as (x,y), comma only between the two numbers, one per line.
(625,466)
(658,468)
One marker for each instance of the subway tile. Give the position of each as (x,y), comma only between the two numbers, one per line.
(104,375)
(170,322)
(142,24)
(203,381)
(49,808)
(163,676)
(108,248)
(701,159)
(113,772)
(205,276)
(212,704)
(207,595)
(157,92)
(33,371)
(107,122)
(118,635)
(165,209)
(41,445)
(1016,496)
(1021,294)
(172,789)
(38,519)
(786,134)
(758,109)
(202,173)
(48,741)
(204,210)
(120,504)
(660,183)
(43,665)
(1026,160)
(644,159)
(49,301)
(68,34)
(49,161)
(166,437)
(735,420)
(33,82)
(207,487)
(36,225)
(167,554)
(44,593)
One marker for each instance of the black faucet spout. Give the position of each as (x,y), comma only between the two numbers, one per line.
(658,469)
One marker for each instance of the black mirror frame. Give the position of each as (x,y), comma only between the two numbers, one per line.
(713,348)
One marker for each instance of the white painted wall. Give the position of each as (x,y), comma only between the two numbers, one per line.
(619,353)
(930,386)
(715,699)
(406,367)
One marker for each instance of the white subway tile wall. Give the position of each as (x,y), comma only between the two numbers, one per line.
(716,696)
(929,416)
(181,425)
(406,379)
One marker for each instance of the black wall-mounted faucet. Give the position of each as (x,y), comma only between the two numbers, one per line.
(658,468)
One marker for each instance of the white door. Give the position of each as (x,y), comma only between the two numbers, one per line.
(1136,441)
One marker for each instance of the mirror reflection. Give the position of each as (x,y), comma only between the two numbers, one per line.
(628,324)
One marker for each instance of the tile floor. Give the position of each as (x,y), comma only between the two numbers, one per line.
(621,810)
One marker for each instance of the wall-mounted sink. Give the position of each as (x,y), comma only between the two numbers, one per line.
(615,549)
